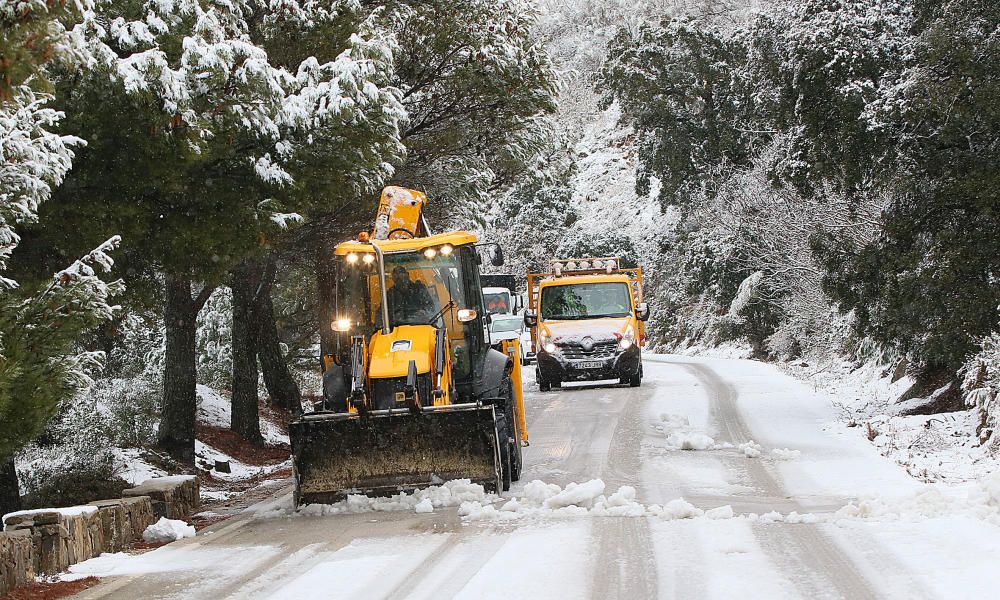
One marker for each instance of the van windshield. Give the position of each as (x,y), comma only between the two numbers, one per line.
(585,301)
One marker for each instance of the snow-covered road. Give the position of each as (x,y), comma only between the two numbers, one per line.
(718,433)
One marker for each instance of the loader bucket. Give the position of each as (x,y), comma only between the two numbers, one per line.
(388,451)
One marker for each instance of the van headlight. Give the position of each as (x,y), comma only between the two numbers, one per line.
(628,338)
(545,341)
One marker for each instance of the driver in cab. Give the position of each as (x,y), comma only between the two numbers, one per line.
(409,301)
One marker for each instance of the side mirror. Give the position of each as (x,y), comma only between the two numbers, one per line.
(530,319)
(642,311)
(498,259)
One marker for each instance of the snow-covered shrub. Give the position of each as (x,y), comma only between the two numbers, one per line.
(128,395)
(981,385)
(214,340)
(73,461)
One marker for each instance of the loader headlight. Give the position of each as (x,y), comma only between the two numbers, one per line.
(430,253)
(447,249)
(342,325)
(352,258)
(368,259)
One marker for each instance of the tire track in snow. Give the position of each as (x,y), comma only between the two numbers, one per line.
(450,567)
(815,564)
(625,563)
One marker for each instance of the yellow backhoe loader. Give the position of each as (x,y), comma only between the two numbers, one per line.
(413,394)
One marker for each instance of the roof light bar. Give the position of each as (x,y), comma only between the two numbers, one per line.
(607,264)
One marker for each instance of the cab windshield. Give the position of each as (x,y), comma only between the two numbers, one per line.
(497,302)
(585,301)
(420,290)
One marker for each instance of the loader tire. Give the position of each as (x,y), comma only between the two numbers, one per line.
(503,433)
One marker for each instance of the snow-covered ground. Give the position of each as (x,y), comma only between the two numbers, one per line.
(942,447)
(716,479)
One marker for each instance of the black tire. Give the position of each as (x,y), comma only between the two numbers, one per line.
(505,467)
(543,384)
(636,379)
(557,384)
(503,439)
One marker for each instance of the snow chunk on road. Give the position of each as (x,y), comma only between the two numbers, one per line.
(750,449)
(690,441)
(621,504)
(679,508)
(722,512)
(785,454)
(577,494)
(681,436)
(539,491)
(424,506)
(167,530)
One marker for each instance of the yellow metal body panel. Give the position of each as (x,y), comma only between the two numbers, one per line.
(398,215)
(453,238)
(512,348)
(384,362)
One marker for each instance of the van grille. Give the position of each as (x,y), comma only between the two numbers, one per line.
(574,351)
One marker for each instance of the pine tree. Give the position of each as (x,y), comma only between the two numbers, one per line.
(677,84)
(476,87)
(41,363)
(203,149)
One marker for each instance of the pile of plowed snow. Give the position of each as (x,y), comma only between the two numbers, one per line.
(539,499)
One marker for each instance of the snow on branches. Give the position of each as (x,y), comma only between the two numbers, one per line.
(206,66)
(33,160)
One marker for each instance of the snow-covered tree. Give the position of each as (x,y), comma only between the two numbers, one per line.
(41,362)
(210,128)
(927,284)
(677,84)
(475,85)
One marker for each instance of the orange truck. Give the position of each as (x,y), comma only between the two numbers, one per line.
(587,319)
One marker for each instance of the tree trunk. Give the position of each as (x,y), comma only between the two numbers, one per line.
(280,385)
(246,283)
(176,433)
(325,279)
(10,492)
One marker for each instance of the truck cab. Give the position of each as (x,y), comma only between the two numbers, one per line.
(587,318)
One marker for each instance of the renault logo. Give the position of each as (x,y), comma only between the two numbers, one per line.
(587,343)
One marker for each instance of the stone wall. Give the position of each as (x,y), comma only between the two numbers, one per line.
(48,541)
(16,568)
(173,497)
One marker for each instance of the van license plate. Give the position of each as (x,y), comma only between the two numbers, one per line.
(591,364)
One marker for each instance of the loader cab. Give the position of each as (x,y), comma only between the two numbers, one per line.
(431,281)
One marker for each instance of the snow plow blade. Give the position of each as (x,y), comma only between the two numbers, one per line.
(388,451)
